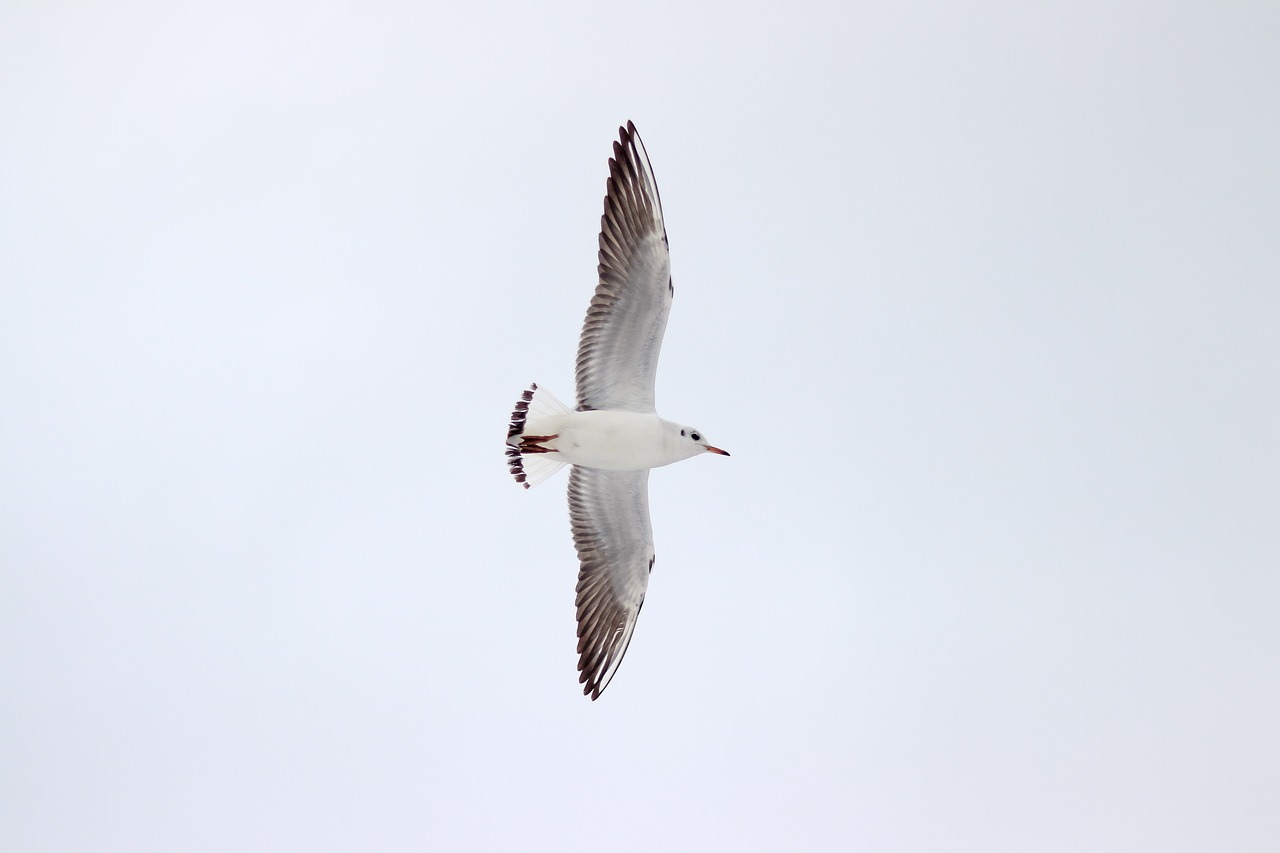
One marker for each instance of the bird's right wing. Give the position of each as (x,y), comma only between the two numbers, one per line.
(622,335)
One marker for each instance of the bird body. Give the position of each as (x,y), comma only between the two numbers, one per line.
(615,435)
(617,440)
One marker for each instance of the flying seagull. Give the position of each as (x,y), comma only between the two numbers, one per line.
(615,436)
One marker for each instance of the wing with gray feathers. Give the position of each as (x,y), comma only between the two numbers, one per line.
(622,335)
(609,512)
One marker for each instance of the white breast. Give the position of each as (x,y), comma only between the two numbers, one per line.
(613,441)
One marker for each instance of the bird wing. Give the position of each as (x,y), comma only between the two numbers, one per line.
(609,513)
(622,334)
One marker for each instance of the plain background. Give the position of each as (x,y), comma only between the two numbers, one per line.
(983,298)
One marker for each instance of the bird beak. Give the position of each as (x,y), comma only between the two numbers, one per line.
(711,449)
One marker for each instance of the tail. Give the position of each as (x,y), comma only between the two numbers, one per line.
(529,464)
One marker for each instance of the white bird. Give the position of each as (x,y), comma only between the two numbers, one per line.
(615,436)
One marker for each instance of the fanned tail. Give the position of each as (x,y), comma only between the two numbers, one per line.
(529,463)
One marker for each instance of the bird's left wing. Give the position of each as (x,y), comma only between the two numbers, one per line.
(609,513)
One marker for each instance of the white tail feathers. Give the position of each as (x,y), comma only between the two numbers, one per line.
(542,404)
(528,465)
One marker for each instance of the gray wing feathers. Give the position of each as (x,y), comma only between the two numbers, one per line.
(622,335)
(609,513)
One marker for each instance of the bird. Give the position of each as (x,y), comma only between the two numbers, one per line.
(614,436)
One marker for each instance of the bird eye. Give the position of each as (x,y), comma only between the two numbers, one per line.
(696,437)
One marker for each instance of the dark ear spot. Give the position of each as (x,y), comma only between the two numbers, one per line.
(682,433)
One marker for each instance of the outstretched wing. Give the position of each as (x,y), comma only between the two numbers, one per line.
(609,513)
(622,335)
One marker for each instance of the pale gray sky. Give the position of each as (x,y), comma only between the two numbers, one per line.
(983,298)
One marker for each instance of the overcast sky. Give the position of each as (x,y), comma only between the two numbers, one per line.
(984,299)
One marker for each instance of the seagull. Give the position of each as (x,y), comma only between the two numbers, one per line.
(615,435)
